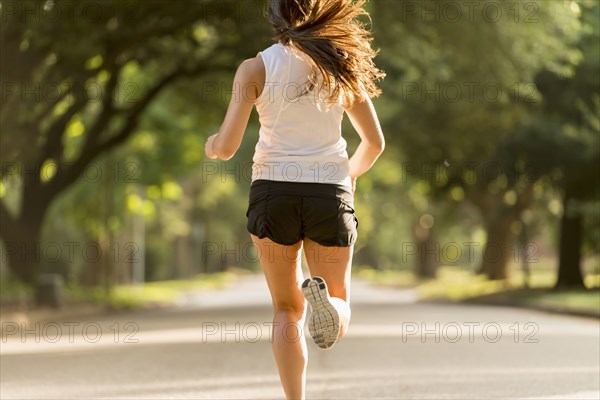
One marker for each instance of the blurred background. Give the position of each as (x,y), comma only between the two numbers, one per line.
(488,188)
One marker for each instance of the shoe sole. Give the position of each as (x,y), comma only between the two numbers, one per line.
(324,321)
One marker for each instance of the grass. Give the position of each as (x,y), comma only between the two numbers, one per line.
(451,283)
(12,291)
(17,299)
(394,278)
(148,294)
(460,284)
(587,301)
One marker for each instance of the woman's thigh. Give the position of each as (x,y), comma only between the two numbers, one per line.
(331,263)
(283,272)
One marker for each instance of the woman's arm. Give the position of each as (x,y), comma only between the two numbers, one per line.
(248,84)
(364,119)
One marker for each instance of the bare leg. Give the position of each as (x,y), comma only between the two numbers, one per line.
(281,265)
(333,264)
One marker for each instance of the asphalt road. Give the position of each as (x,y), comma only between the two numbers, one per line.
(216,346)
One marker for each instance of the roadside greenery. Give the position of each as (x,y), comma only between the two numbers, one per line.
(492,132)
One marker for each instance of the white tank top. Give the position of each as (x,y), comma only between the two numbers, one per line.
(300,134)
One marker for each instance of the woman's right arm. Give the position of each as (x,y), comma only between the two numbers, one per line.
(364,119)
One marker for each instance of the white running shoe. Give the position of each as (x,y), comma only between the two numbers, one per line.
(324,320)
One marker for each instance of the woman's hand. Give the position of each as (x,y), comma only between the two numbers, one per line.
(208,147)
(365,121)
(353,179)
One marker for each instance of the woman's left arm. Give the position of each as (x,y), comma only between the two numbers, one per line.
(248,84)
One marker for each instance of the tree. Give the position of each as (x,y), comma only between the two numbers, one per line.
(564,142)
(462,82)
(77,79)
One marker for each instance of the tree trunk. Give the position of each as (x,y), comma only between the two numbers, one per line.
(367,256)
(498,219)
(184,257)
(571,233)
(428,253)
(22,248)
(496,251)
(523,243)
(94,269)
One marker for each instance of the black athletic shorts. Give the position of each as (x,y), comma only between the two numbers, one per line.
(287,212)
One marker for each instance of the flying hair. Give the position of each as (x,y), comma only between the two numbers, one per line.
(337,42)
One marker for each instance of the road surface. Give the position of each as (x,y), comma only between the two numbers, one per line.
(215,345)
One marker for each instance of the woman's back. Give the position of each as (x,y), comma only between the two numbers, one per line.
(300,136)
(302,195)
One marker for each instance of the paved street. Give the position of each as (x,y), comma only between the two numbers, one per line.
(216,346)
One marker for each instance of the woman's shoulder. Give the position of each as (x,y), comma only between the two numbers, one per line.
(252,66)
(252,72)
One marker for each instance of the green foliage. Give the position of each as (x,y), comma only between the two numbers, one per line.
(522,88)
(456,283)
(455,89)
(13,291)
(150,294)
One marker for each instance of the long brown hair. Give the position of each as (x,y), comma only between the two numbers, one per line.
(338,43)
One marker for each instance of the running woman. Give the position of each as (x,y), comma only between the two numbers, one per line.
(303,183)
